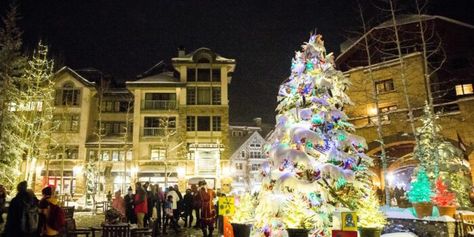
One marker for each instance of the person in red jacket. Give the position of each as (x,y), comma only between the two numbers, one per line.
(208,212)
(141,205)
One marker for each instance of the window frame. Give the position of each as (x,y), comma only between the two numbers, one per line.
(384,84)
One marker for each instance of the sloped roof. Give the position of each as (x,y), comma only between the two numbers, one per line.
(348,46)
(158,75)
(191,57)
(76,75)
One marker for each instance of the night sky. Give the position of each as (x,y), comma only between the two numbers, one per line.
(125,38)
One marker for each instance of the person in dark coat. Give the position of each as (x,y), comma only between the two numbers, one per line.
(196,205)
(188,205)
(15,211)
(129,207)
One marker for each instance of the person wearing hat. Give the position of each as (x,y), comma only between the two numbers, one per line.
(129,206)
(208,212)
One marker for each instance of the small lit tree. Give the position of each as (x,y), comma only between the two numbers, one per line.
(442,196)
(369,214)
(420,189)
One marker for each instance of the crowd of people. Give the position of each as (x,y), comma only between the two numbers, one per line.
(151,206)
(29,217)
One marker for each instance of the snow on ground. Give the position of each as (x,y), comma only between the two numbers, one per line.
(409,213)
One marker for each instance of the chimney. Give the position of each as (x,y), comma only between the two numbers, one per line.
(258,121)
(181,51)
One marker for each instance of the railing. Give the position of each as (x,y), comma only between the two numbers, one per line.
(155,132)
(159,104)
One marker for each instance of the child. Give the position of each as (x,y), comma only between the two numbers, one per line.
(169,215)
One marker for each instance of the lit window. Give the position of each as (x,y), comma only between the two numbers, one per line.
(157,154)
(216,123)
(190,123)
(68,95)
(464,89)
(384,86)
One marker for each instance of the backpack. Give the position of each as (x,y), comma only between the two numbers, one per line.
(29,218)
(57,217)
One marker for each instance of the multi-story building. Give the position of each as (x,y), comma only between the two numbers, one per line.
(246,145)
(451,88)
(169,126)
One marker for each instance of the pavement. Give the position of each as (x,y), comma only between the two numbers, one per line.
(87,219)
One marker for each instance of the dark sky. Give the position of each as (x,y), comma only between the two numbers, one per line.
(124,38)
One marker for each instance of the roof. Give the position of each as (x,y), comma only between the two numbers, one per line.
(193,56)
(76,75)
(350,45)
(159,74)
(236,142)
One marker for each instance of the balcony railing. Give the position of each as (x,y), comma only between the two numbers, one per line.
(158,132)
(159,104)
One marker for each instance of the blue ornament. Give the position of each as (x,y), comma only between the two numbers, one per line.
(309,66)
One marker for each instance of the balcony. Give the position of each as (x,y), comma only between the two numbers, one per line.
(159,105)
(158,132)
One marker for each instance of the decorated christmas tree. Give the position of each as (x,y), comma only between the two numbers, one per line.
(441,158)
(244,209)
(420,188)
(369,212)
(316,162)
(442,196)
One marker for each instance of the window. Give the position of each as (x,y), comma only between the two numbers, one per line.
(66,123)
(239,166)
(67,95)
(237,133)
(190,123)
(384,86)
(191,74)
(216,123)
(158,126)
(114,128)
(242,154)
(255,154)
(216,74)
(464,89)
(109,155)
(216,95)
(384,111)
(191,95)
(203,123)
(254,145)
(159,101)
(255,167)
(157,153)
(203,74)
(116,106)
(203,95)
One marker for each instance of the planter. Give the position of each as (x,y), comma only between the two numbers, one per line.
(297,232)
(370,232)
(241,229)
(447,210)
(423,209)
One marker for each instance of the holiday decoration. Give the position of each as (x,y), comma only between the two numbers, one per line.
(371,219)
(444,199)
(244,210)
(420,194)
(316,161)
(441,158)
(369,214)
